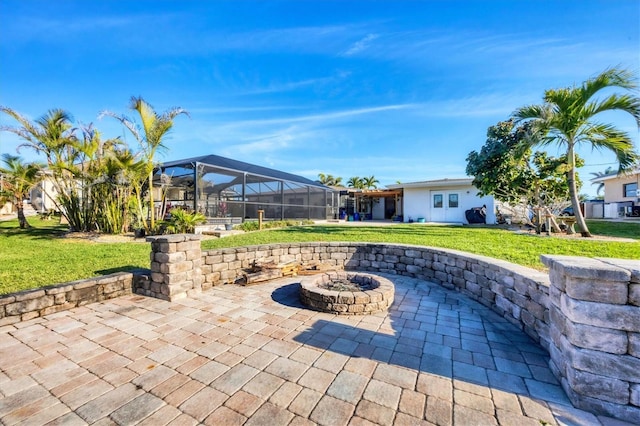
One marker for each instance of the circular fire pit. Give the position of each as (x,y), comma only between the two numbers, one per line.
(347,293)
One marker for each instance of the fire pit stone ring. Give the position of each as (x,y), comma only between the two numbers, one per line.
(347,292)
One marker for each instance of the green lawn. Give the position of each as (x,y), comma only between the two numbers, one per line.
(524,249)
(38,257)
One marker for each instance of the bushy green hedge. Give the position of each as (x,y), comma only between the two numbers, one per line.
(252,225)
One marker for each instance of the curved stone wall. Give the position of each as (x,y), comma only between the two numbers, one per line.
(518,293)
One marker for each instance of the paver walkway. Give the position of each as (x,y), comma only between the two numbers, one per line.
(255,356)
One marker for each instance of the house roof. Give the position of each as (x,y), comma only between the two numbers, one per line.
(433,183)
(614,175)
(240,166)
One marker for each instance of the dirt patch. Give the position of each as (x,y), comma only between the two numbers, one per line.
(102,238)
(96,237)
(576,236)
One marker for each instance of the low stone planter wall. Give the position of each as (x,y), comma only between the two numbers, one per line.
(48,300)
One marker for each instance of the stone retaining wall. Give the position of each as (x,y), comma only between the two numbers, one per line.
(34,303)
(595,333)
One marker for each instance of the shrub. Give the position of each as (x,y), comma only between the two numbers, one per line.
(183,222)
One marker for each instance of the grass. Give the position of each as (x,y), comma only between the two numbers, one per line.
(615,229)
(523,249)
(38,257)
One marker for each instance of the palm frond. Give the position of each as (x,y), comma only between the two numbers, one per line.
(529,112)
(126,122)
(606,136)
(612,77)
(24,122)
(626,103)
(147,115)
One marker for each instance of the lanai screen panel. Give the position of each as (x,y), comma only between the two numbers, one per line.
(222,187)
(263,193)
(174,187)
(220,192)
(320,206)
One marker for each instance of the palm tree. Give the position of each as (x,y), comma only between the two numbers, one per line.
(48,135)
(334,181)
(608,171)
(329,180)
(19,178)
(355,182)
(150,137)
(567,118)
(370,182)
(53,136)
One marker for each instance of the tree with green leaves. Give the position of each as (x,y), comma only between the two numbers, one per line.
(568,118)
(53,136)
(47,135)
(112,177)
(507,168)
(18,179)
(93,178)
(150,135)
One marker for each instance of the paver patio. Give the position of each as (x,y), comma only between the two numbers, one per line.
(256,356)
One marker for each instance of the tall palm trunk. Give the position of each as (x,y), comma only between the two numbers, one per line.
(573,193)
(22,219)
(152,208)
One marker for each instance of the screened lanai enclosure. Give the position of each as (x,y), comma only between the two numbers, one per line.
(220,187)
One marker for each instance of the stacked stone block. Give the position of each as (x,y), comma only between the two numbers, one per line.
(30,304)
(176,262)
(595,333)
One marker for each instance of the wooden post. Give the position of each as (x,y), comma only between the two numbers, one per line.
(260,214)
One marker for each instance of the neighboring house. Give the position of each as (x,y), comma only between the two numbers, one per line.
(5,208)
(42,196)
(443,200)
(621,195)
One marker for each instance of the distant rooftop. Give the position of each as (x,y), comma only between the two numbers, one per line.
(614,175)
(432,183)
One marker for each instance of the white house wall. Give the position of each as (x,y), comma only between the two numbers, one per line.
(377,211)
(418,203)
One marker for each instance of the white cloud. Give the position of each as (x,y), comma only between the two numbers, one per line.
(334,115)
(360,45)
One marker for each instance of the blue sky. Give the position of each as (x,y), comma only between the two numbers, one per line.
(402,90)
